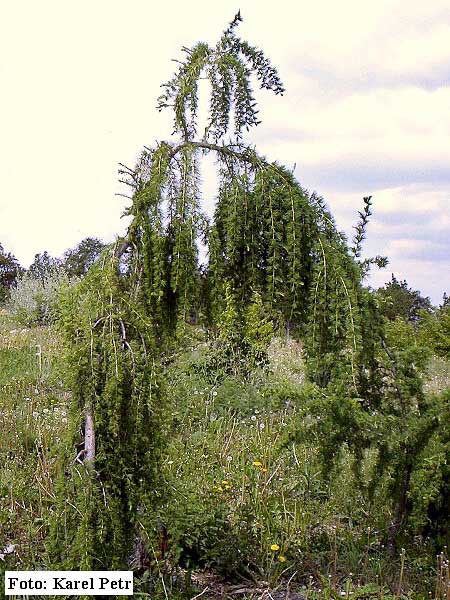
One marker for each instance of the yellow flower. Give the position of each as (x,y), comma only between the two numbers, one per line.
(225,482)
(220,489)
(256,463)
(274,547)
(282,558)
(264,470)
(228,487)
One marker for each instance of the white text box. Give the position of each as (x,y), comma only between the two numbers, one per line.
(68,583)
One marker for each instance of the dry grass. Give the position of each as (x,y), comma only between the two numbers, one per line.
(438,375)
(286,360)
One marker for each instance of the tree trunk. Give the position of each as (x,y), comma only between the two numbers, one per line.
(89,438)
(400,509)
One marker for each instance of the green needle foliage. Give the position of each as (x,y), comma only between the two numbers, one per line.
(228,67)
(112,354)
(275,259)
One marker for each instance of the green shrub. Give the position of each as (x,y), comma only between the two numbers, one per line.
(434,331)
(244,336)
(33,301)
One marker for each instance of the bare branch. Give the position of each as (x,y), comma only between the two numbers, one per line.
(89,438)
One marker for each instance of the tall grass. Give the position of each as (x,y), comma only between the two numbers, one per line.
(33,417)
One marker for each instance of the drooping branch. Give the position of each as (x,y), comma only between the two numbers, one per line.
(228,66)
(248,155)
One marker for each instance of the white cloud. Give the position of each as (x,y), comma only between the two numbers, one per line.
(366,111)
(404,130)
(361,44)
(410,225)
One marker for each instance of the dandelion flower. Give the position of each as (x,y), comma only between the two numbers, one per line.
(228,487)
(256,463)
(274,547)
(282,559)
(264,470)
(224,482)
(220,489)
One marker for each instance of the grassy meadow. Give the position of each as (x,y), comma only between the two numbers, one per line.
(247,511)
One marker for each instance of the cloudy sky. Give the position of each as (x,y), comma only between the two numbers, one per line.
(366,111)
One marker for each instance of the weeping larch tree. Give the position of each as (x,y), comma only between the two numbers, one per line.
(268,237)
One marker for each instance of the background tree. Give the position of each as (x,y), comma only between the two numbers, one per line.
(10,269)
(78,260)
(399,300)
(434,329)
(43,265)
